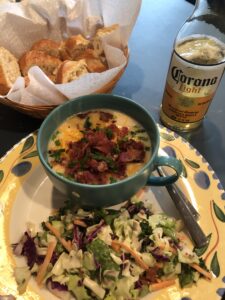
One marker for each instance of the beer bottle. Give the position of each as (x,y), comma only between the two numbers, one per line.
(196,67)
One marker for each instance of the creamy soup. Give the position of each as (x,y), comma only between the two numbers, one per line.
(99,147)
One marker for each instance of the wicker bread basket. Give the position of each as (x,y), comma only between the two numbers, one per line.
(41,111)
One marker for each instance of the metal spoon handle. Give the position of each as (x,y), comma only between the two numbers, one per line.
(181,194)
(189,220)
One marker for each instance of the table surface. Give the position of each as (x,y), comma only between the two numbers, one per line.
(144,79)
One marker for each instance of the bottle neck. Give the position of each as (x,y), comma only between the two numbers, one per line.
(210,6)
(207,14)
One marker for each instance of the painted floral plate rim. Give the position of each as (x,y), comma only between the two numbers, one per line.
(198,178)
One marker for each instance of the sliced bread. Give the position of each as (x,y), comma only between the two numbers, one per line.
(106,30)
(95,65)
(47,63)
(9,70)
(71,70)
(74,46)
(96,42)
(48,46)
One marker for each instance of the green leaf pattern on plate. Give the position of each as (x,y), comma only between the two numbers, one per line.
(31,154)
(202,250)
(218,212)
(215,267)
(166,136)
(28,144)
(1,175)
(192,163)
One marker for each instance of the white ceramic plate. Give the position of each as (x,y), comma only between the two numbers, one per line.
(27,195)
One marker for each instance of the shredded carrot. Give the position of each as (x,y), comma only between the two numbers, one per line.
(66,245)
(69,243)
(43,268)
(202,271)
(161,285)
(80,223)
(139,261)
(115,247)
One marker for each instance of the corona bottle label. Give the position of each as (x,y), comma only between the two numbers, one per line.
(189,89)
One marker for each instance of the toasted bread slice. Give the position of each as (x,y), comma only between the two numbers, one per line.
(95,65)
(73,47)
(48,46)
(71,70)
(9,70)
(96,42)
(47,63)
(87,53)
(106,30)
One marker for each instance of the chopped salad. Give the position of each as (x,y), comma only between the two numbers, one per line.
(108,254)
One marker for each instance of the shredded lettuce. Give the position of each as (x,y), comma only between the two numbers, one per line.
(95,287)
(101,252)
(78,290)
(187,256)
(105,234)
(128,231)
(89,261)
(123,287)
(67,262)
(161,220)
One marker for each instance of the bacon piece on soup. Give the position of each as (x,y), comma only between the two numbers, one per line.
(119,132)
(77,150)
(131,151)
(123,132)
(114,129)
(131,144)
(131,155)
(99,141)
(105,116)
(99,166)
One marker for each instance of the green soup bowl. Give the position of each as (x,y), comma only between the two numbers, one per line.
(95,196)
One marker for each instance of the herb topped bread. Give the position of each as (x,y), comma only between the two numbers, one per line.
(9,70)
(47,63)
(47,46)
(74,46)
(70,70)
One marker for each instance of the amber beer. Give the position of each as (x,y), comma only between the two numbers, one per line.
(191,85)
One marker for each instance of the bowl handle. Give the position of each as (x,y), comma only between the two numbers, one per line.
(171,162)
